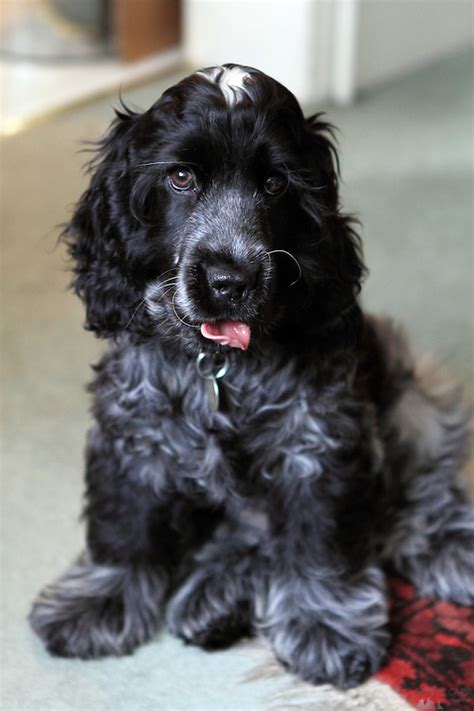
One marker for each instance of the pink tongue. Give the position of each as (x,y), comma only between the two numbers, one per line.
(229,333)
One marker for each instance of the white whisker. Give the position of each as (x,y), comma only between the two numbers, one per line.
(153,294)
(163,162)
(171,287)
(178,316)
(156,285)
(284,251)
(135,312)
(173,269)
(171,280)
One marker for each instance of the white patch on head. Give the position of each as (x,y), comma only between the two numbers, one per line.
(230,80)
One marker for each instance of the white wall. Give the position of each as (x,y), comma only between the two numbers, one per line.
(281,37)
(325,50)
(395,36)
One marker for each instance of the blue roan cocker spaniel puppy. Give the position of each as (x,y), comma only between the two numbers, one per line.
(262,449)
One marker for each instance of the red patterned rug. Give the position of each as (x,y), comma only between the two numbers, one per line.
(432,655)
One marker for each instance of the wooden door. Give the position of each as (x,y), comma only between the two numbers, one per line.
(144,27)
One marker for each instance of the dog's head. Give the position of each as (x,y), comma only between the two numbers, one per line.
(213,218)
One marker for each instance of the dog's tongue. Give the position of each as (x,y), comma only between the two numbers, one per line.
(229,333)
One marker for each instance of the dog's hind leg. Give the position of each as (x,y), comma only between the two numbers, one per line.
(432,539)
(214,606)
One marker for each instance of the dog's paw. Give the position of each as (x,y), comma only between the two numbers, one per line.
(95,611)
(86,627)
(446,572)
(319,655)
(208,612)
(333,632)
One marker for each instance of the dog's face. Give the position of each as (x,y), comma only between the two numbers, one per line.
(212,218)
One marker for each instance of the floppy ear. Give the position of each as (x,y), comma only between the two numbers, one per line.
(338,246)
(323,159)
(96,235)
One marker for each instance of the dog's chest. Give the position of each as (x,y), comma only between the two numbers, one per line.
(166,416)
(264,422)
(250,395)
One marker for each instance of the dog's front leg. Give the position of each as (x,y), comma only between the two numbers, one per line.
(215,604)
(111,599)
(325,607)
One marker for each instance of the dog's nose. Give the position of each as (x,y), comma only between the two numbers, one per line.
(229,284)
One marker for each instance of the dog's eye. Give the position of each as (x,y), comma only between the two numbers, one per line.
(274,184)
(181,179)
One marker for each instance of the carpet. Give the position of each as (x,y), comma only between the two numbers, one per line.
(431,659)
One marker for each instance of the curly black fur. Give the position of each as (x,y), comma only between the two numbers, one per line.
(332,453)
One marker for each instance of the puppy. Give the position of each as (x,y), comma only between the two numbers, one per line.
(262,449)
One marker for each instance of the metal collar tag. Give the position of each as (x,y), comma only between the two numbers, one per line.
(211,373)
